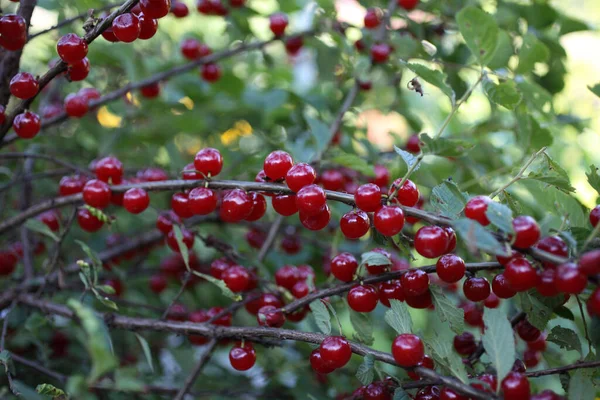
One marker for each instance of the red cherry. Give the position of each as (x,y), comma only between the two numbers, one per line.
(473,314)
(259,207)
(318,364)
(192,49)
(335,351)
(389,220)
(332,179)
(126,27)
(450,268)
(408,350)
(79,70)
(520,275)
(372,18)
(300,290)
(202,201)
(408,195)
(158,283)
(464,344)
(476,289)
(527,232)
(589,263)
(152,175)
(365,85)
(391,290)
(277,164)
(316,222)
(96,193)
(490,383)
(595,216)
(593,303)
(538,344)
(368,197)
(408,4)
(13,32)
(344,266)
(179,9)
(109,35)
(415,282)
(516,386)
(136,200)
(188,239)
(148,27)
(476,209)
(76,105)
(180,203)
(50,219)
(531,358)
(218,266)
(553,245)
(236,278)
(546,285)
(109,168)
(286,276)
(413,145)
(291,244)
(569,279)
(363,298)
(8,262)
(380,52)
(208,161)
(293,45)
(355,224)
(277,23)
(242,358)
(71,185)
(256,238)
(199,316)
(90,93)
(87,221)
(300,175)
(502,287)
(376,269)
(151,90)
(311,200)
(211,72)
(382,176)
(452,239)
(155,8)
(71,48)
(24,85)
(165,221)
(527,332)
(236,206)
(270,316)
(431,241)
(492,301)
(285,205)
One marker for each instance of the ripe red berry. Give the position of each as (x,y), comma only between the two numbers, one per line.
(89,93)
(415,282)
(344,266)
(413,145)
(502,287)
(335,351)
(126,27)
(382,176)
(8,262)
(354,224)
(520,275)
(372,18)
(87,221)
(593,303)
(408,194)
(389,220)
(363,298)
(79,70)
(492,301)
(318,364)
(408,350)
(527,332)
(546,285)
(109,169)
(13,32)
(24,85)
(75,105)
(332,179)
(136,200)
(96,193)
(158,283)
(595,216)
(450,268)
(151,90)
(300,175)
(179,9)
(316,222)
(270,316)
(553,245)
(155,8)
(368,197)
(242,358)
(476,289)
(236,206)
(431,241)
(310,200)
(256,238)
(476,209)
(202,201)
(531,358)
(277,23)
(287,276)
(464,344)
(259,207)
(569,279)
(27,125)
(538,344)
(380,53)
(277,164)
(300,290)
(408,4)
(148,27)
(589,263)
(293,45)
(208,161)
(187,236)
(218,266)
(50,219)
(285,205)
(211,72)
(180,203)
(236,278)
(516,386)
(71,185)
(391,290)
(527,232)
(71,48)
(379,268)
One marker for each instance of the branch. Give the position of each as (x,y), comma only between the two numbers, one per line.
(210,347)
(46,157)
(560,370)
(262,253)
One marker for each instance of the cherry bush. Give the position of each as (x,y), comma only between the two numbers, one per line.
(189,192)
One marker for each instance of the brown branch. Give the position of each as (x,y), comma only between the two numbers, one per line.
(46,157)
(26,203)
(210,347)
(264,249)
(184,283)
(560,370)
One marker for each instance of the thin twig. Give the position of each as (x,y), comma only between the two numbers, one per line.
(585,326)
(184,284)
(210,347)
(262,253)
(46,157)
(519,175)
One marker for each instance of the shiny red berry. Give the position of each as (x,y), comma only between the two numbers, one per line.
(355,224)
(408,4)
(87,221)
(277,164)
(593,303)
(569,279)
(527,332)
(450,268)
(236,278)
(553,245)
(332,179)
(447,393)
(126,27)
(335,351)
(516,386)
(299,176)
(259,206)
(527,232)
(389,220)
(344,266)
(595,216)
(96,193)
(379,268)
(136,200)
(413,145)
(148,27)
(408,350)
(24,85)
(589,263)
(242,358)
(270,316)
(202,201)
(476,289)
(318,364)
(368,197)
(546,285)
(109,168)
(372,18)
(277,23)
(391,290)
(76,106)
(71,48)
(464,344)
(155,8)
(79,70)
(476,209)
(408,194)
(380,53)
(179,9)
(192,49)
(236,206)
(211,72)
(502,288)
(431,241)
(318,221)
(310,200)
(180,203)
(208,161)
(363,298)
(415,282)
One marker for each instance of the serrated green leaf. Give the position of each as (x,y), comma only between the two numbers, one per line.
(435,77)
(498,341)
(447,359)
(374,258)
(444,147)
(320,132)
(594,178)
(50,390)
(407,157)
(504,94)
(566,338)
(447,311)
(477,237)
(538,308)
(581,386)
(146,350)
(401,394)
(480,31)
(38,226)
(532,51)
(321,316)
(398,317)
(366,372)
(530,133)
(220,284)
(352,161)
(361,322)
(595,89)
(181,245)
(447,199)
(500,216)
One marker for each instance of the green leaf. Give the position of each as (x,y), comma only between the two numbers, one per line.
(26,392)
(408,158)
(498,341)
(361,322)
(594,178)
(476,236)
(500,216)
(538,309)
(532,51)
(181,245)
(353,161)
(7,362)
(107,302)
(529,133)
(400,394)
(447,199)
(595,89)
(480,31)
(321,315)
(92,255)
(446,358)
(50,390)
(220,284)
(565,313)
(445,147)
(581,386)
(566,338)
(146,350)
(96,343)
(447,311)
(366,372)
(320,132)
(433,76)
(38,226)
(374,258)
(398,317)
(548,171)
(504,94)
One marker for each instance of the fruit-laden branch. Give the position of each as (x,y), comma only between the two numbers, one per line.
(231,184)
(62,66)
(159,77)
(344,287)
(246,333)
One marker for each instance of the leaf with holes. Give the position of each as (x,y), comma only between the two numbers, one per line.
(321,316)
(366,371)
(505,94)
(566,338)
(480,31)
(500,216)
(447,311)
(398,317)
(532,51)
(447,199)
(498,341)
